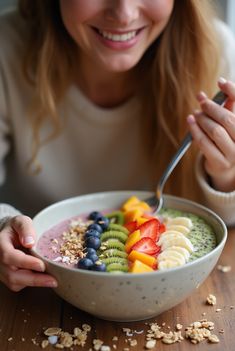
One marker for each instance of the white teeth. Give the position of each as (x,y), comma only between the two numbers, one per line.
(118,37)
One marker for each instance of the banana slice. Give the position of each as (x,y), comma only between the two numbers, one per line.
(185,221)
(171,233)
(176,240)
(181,250)
(179,228)
(166,264)
(173,255)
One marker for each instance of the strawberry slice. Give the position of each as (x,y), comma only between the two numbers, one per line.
(131,226)
(162,228)
(147,246)
(150,229)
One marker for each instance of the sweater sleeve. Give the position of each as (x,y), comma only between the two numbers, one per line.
(8,211)
(4,127)
(221,203)
(5,210)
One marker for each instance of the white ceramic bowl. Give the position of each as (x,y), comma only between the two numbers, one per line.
(127,297)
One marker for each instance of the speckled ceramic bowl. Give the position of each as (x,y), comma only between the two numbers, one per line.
(127,297)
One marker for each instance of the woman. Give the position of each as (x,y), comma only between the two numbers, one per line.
(94,97)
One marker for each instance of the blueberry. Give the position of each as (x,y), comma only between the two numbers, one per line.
(85,263)
(93,257)
(93,215)
(103,222)
(92,232)
(90,251)
(99,267)
(93,242)
(96,227)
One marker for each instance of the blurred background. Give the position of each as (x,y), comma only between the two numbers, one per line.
(226,10)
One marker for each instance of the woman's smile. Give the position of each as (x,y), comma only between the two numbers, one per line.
(119,40)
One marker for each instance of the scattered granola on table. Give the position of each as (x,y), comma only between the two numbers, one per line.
(196,332)
(211,299)
(201,330)
(224,269)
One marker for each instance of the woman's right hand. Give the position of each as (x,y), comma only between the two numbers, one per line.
(18,269)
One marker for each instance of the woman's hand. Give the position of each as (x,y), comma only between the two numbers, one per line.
(17,268)
(213,131)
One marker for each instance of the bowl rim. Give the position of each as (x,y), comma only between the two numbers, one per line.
(128,274)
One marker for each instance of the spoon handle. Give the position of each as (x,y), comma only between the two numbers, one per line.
(219,99)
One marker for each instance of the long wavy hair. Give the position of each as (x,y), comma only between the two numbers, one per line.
(182,61)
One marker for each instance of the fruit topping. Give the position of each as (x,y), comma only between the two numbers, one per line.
(150,229)
(151,261)
(85,263)
(93,242)
(140,267)
(146,245)
(116,217)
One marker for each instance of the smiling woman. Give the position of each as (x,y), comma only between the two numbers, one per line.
(113,36)
(94,96)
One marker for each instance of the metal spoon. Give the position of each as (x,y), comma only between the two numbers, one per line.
(156,201)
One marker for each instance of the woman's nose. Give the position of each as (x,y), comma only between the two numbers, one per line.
(123,12)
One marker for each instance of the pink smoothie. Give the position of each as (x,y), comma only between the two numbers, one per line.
(49,244)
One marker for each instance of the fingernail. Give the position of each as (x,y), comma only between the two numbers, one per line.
(28,240)
(50,283)
(191,119)
(40,267)
(201,96)
(197,112)
(222,80)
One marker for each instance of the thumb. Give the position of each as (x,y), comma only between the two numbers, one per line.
(23,226)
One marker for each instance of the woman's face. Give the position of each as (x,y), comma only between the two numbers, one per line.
(114,34)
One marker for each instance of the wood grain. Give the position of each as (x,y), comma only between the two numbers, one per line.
(23,315)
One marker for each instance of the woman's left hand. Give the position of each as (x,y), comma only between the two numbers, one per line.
(213,131)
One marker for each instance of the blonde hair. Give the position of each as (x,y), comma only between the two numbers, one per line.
(182,61)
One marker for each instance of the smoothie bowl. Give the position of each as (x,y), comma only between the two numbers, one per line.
(112,259)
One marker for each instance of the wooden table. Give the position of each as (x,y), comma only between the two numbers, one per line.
(24,315)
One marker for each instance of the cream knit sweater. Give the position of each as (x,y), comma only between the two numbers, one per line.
(99,150)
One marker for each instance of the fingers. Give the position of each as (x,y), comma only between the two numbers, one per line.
(213,128)
(227,87)
(19,279)
(13,257)
(218,135)
(207,147)
(23,226)
(222,116)
(17,268)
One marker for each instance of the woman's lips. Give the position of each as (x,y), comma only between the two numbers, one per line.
(118,40)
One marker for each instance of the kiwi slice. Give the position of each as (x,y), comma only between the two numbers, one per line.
(116,217)
(114,267)
(112,244)
(114,253)
(113,234)
(118,227)
(110,260)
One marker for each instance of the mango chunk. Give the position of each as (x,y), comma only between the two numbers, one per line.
(141,220)
(140,267)
(132,239)
(133,200)
(132,215)
(151,261)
